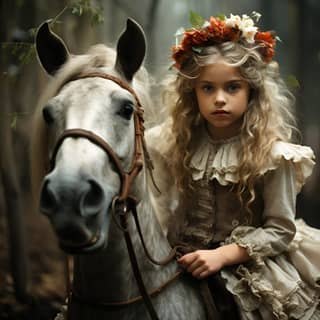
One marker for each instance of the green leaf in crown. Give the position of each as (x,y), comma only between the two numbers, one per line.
(196,20)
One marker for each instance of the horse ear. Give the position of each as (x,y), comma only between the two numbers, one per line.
(51,50)
(131,49)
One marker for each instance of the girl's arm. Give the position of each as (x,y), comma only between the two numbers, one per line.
(249,242)
(202,263)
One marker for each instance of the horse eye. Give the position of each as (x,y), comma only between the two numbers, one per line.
(47,113)
(126,110)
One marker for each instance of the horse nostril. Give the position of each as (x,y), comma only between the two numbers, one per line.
(92,201)
(48,200)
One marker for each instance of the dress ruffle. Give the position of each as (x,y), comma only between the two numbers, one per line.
(225,163)
(264,289)
(287,284)
(303,249)
(302,158)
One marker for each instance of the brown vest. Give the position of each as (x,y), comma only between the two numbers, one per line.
(209,213)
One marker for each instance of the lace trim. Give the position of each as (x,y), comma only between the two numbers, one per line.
(252,290)
(224,165)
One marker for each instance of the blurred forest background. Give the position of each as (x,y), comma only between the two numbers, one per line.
(31,265)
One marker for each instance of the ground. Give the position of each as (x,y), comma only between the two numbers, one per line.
(46,275)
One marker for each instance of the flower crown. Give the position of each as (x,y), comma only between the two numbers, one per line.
(221,29)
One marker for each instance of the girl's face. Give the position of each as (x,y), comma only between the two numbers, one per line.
(222,97)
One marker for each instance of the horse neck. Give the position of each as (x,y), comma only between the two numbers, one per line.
(108,275)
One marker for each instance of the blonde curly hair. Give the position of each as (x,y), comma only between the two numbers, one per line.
(269,117)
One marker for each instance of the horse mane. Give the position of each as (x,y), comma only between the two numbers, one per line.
(98,56)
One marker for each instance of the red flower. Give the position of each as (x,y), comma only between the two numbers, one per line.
(194,37)
(231,34)
(178,54)
(215,33)
(268,42)
(267,36)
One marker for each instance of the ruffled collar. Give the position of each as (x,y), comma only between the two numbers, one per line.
(219,159)
(222,155)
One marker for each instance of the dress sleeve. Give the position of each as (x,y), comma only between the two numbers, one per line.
(278,228)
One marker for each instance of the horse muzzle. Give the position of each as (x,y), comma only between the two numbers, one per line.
(77,211)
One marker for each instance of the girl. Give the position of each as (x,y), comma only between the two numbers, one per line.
(227,143)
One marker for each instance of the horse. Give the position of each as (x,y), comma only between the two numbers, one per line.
(90,169)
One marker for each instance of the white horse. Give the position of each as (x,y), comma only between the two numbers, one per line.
(77,178)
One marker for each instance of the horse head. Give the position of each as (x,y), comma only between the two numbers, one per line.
(85,171)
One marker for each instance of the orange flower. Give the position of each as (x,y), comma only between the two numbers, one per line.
(178,54)
(231,34)
(268,42)
(215,30)
(194,37)
(215,33)
(265,37)
(216,25)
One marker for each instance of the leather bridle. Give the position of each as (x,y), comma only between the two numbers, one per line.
(123,203)
(137,163)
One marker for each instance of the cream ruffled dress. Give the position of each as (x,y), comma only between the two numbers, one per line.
(282,280)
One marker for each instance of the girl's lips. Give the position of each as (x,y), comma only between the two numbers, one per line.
(220,112)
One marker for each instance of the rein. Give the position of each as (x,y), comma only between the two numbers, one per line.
(123,203)
(121,210)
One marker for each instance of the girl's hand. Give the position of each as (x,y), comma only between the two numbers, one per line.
(202,263)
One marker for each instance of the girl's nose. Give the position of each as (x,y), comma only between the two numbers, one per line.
(220,99)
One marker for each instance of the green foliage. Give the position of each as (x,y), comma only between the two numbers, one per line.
(81,7)
(17,54)
(196,20)
(292,81)
(14,120)
(22,52)
(197,49)
(13,116)
(222,16)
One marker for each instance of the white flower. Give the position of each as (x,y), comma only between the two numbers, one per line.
(246,22)
(206,24)
(256,15)
(179,32)
(249,33)
(247,28)
(178,35)
(278,39)
(233,21)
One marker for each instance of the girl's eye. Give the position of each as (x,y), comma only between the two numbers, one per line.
(207,88)
(233,87)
